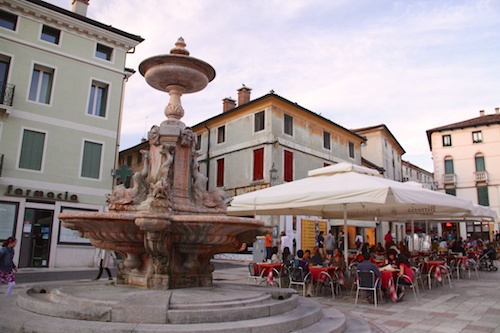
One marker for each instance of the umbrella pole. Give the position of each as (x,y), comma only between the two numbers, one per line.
(346,239)
(412,234)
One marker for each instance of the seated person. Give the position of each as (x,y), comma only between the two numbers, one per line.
(443,246)
(287,257)
(274,255)
(458,247)
(367,265)
(302,263)
(338,260)
(406,271)
(316,258)
(391,258)
(307,256)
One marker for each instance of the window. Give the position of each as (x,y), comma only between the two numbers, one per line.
(477,137)
(258,164)
(288,167)
(139,158)
(8,216)
(451,191)
(259,121)
(448,166)
(103,52)
(50,34)
(32,150)
(288,124)
(482,196)
(480,165)
(41,84)
(8,20)
(447,140)
(351,149)
(5,91)
(91,161)
(198,142)
(98,99)
(129,160)
(326,140)
(221,134)
(220,172)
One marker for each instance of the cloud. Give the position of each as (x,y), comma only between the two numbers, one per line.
(412,65)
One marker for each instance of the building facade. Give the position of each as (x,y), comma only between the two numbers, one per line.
(62,78)
(466,158)
(413,173)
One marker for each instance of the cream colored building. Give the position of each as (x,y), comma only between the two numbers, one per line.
(62,79)
(267,141)
(466,157)
(413,173)
(383,150)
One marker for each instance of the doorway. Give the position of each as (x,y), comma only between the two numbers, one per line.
(35,245)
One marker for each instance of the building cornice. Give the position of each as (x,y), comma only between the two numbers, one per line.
(72,22)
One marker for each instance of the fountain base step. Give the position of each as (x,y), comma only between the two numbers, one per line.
(106,307)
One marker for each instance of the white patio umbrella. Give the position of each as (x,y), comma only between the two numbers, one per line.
(347,191)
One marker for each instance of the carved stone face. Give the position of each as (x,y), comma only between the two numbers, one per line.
(154,135)
(187,137)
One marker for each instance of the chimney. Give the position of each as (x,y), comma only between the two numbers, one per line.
(243,95)
(481,113)
(228,104)
(497,110)
(80,7)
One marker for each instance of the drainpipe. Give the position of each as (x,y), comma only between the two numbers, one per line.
(208,157)
(119,129)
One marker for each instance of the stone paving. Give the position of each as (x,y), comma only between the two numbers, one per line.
(471,305)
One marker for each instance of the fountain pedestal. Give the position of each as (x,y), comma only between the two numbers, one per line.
(167,225)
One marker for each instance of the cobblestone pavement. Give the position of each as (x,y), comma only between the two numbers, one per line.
(471,305)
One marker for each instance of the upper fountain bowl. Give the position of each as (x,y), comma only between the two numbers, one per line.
(177,69)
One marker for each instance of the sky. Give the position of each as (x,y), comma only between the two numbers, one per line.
(411,65)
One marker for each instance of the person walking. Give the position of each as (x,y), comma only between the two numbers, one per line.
(7,267)
(330,242)
(104,256)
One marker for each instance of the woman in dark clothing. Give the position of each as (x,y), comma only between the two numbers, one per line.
(7,266)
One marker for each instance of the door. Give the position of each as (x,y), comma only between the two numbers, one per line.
(35,245)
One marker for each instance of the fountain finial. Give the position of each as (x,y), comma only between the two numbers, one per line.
(180,47)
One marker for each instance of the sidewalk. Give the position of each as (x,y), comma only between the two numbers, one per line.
(471,306)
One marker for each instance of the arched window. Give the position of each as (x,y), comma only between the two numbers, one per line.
(448,165)
(480,166)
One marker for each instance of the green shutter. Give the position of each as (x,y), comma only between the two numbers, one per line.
(482,196)
(91,160)
(32,150)
(480,166)
(448,167)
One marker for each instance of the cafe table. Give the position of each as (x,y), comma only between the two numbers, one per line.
(331,270)
(388,278)
(436,267)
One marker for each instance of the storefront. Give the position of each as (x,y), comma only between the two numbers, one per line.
(31,217)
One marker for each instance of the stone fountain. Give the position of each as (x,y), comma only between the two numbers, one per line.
(167,225)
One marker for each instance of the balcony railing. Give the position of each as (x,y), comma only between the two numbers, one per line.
(6,93)
(481,176)
(450,179)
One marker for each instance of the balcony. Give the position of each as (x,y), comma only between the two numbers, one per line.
(450,179)
(481,176)
(6,98)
